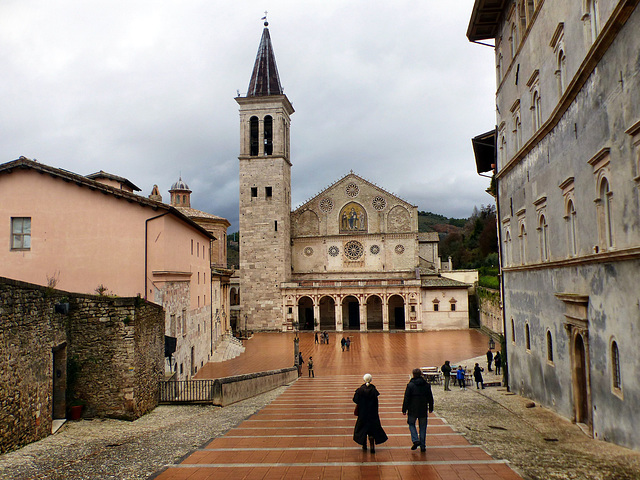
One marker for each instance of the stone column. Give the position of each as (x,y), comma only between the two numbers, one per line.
(316,317)
(363,317)
(407,319)
(261,137)
(385,313)
(338,314)
(296,312)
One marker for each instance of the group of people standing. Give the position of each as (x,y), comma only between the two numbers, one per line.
(417,404)
(322,337)
(460,373)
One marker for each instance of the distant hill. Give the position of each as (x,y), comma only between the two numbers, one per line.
(233,250)
(434,222)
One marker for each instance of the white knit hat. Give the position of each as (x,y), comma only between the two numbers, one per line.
(367,378)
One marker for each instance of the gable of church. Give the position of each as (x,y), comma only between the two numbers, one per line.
(354,206)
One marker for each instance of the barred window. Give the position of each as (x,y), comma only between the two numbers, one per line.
(615,366)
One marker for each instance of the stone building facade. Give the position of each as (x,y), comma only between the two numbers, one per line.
(57,346)
(349,259)
(567,167)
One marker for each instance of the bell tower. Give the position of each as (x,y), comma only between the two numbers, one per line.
(265,193)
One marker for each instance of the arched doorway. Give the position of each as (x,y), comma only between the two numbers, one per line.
(234,296)
(327,313)
(396,312)
(305,313)
(581,400)
(351,313)
(374,313)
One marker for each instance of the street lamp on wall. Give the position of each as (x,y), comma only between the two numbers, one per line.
(492,344)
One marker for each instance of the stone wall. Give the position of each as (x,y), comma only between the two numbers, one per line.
(489,308)
(107,352)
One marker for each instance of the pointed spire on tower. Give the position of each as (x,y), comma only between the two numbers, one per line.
(265,79)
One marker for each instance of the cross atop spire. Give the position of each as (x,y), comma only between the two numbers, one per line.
(265,79)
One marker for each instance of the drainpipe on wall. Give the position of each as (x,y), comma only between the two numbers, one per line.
(146,249)
(211,292)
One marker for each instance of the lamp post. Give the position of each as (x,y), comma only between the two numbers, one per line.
(296,349)
(245,325)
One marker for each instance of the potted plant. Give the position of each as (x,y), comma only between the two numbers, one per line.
(75,408)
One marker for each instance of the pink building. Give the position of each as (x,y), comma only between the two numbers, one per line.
(93,234)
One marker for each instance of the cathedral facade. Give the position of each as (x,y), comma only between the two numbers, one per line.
(351,258)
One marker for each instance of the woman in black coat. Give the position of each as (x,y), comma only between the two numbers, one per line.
(368,423)
(477,376)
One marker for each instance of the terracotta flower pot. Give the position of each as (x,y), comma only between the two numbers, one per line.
(75,412)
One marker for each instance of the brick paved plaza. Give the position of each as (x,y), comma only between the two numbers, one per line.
(304,430)
(307,431)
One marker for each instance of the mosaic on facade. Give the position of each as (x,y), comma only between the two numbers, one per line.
(353,218)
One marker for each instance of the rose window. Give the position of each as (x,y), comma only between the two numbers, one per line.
(375,249)
(326,205)
(352,190)
(308,251)
(334,251)
(353,250)
(399,249)
(379,203)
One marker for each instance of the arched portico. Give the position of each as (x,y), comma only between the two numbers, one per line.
(327,313)
(350,313)
(397,314)
(374,313)
(305,313)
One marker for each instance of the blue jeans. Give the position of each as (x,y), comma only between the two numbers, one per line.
(422,424)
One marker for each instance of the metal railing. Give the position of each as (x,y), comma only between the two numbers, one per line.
(187,391)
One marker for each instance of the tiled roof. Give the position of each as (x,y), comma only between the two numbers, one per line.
(193,213)
(110,176)
(440,282)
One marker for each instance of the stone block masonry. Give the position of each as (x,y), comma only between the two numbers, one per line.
(107,352)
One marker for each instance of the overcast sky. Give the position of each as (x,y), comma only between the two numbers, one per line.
(145,89)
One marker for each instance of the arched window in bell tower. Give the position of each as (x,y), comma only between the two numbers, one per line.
(253,136)
(268,135)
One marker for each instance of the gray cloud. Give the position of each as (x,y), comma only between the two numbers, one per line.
(390,90)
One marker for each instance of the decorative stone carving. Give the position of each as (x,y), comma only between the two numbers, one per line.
(399,220)
(308,223)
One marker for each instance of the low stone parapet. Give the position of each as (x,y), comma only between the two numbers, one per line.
(229,390)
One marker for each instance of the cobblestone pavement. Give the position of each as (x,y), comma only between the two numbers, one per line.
(122,450)
(539,444)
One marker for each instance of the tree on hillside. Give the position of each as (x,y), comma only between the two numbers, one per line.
(476,242)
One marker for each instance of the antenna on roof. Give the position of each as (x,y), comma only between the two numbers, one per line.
(266,24)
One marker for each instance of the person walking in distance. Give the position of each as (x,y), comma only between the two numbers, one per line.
(446,373)
(497,360)
(460,378)
(343,342)
(417,404)
(489,359)
(477,375)
(300,363)
(368,422)
(310,367)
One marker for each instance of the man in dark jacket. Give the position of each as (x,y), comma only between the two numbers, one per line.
(418,402)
